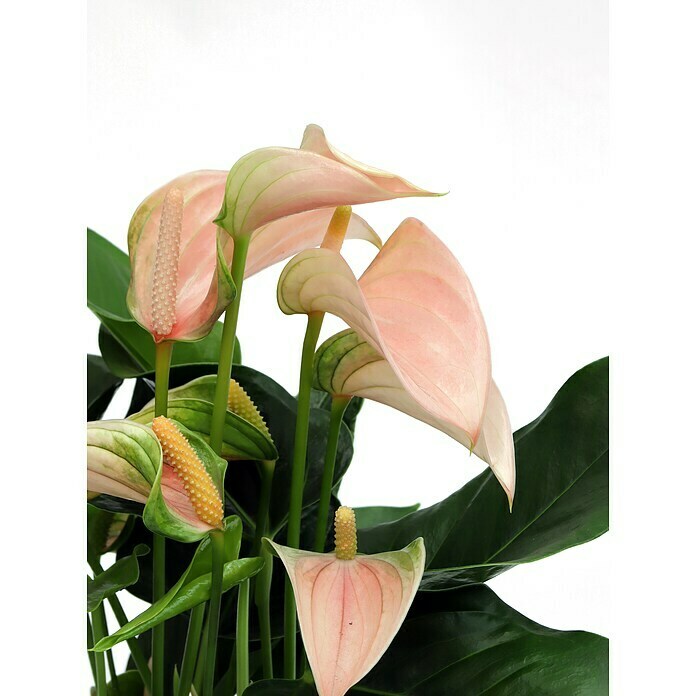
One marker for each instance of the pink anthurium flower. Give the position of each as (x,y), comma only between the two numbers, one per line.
(350,606)
(169,469)
(180,280)
(203,284)
(275,182)
(419,341)
(281,198)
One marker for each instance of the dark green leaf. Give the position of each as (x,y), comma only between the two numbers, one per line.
(106,531)
(126,347)
(101,386)
(320,399)
(372,516)
(562,496)
(121,574)
(129,684)
(470,642)
(194,585)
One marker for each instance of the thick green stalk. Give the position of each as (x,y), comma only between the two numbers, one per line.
(136,651)
(229,332)
(113,673)
(163,358)
(262,582)
(90,654)
(98,632)
(217,542)
(339,404)
(242,637)
(193,639)
(299,459)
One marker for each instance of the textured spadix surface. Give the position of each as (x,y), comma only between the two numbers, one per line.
(200,278)
(245,434)
(125,460)
(350,610)
(419,343)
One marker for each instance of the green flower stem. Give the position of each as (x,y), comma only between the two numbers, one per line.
(136,651)
(163,359)
(262,597)
(242,637)
(198,675)
(217,541)
(113,672)
(98,632)
(158,634)
(229,331)
(90,654)
(339,404)
(193,639)
(299,460)
(262,583)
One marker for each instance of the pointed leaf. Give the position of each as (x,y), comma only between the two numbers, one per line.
(470,642)
(101,386)
(120,575)
(562,501)
(106,531)
(193,587)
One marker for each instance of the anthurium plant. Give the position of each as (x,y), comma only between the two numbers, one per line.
(217,497)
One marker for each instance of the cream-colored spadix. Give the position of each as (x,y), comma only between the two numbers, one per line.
(350,606)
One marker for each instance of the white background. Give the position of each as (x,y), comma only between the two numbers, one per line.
(505,104)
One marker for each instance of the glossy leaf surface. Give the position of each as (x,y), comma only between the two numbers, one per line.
(193,587)
(101,386)
(376,514)
(470,642)
(563,468)
(120,575)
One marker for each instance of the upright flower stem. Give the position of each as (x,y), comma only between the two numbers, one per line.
(217,541)
(98,632)
(299,458)
(217,421)
(163,359)
(193,639)
(242,637)
(113,672)
(339,404)
(229,332)
(262,582)
(90,645)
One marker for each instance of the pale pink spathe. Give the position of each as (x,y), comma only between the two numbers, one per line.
(203,289)
(350,611)
(416,308)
